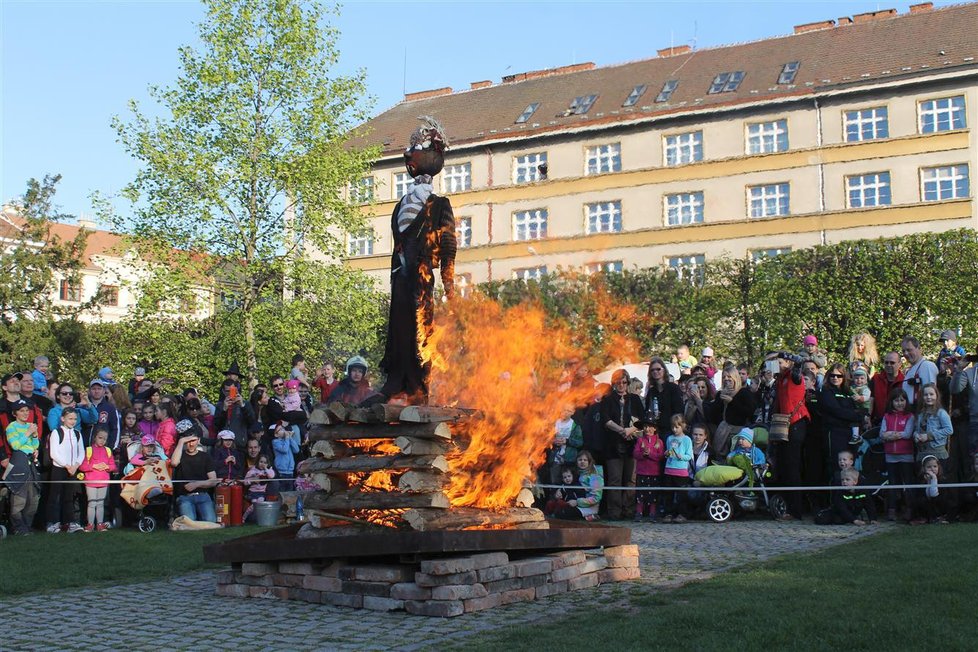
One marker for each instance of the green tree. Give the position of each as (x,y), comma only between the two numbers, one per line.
(248,164)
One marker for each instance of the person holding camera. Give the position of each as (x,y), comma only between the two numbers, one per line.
(234,413)
(789,399)
(921,372)
(68,398)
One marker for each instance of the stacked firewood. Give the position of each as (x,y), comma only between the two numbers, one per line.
(392,460)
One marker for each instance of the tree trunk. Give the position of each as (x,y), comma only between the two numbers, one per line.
(458,518)
(358,463)
(251,361)
(373,500)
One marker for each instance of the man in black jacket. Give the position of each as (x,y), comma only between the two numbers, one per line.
(619,411)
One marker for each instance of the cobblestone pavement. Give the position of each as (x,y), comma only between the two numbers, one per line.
(87,619)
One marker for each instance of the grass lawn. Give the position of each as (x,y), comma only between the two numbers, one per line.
(913,588)
(45,562)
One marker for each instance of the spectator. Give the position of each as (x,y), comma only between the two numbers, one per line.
(932,427)
(685,361)
(949,348)
(679,454)
(283,411)
(40,375)
(325,381)
(744,371)
(291,401)
(194,475)
(299,369)
(67,454)
(649,452)
(166,432)
(731,411)
(708,363)
(14,398)
(863,398)
(11,392)
(354,388)
(568,440)
(227,461)
(921,372)
(285,448)
(745,455)
(130,434)
(663,398)
(839,413)
(138,375)
(202,421)
(896,431)
(20,468)
(884,382)
(87,414)
(149,449)
(256,479)
(697,395)
(847,506)
(98,465)
(234,413)
(589,476)
(862,348)
(40,401)
(932,505)
(592,428)
(108,415)
(810,351)
(786,456)
(252,452)
(233,374)
(148,424)
(619,411)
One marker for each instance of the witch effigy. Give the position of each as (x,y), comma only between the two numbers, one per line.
(423,227)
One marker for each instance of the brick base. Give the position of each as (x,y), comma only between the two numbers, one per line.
(442,587)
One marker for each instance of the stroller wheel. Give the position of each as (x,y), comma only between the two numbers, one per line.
(778,506)
(719,510)
(147,524)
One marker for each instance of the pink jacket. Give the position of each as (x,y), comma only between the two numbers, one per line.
(95,455)
(649,452)
(166,435)
(897,421)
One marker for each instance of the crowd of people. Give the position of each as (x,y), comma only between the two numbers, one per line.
(64,447)
(899,417)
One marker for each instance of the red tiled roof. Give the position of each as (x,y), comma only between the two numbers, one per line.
(870,49)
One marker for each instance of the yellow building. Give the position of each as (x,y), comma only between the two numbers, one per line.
(851,128)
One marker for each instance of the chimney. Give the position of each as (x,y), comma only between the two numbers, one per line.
(674,50)
(870,16)
(424,95)
(811,27)
(87,223)
(480,84)
(921,8)
(844,20)
(549,72)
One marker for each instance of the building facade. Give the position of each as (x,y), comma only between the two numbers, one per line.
(859,127)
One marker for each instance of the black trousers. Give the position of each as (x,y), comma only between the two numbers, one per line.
(787,462)
(61,497)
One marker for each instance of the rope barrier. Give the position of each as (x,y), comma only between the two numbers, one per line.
(758,487)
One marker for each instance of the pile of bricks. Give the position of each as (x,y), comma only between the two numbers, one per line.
(442,587)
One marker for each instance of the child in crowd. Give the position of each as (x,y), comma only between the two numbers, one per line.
(166,432)
(98,467)
(20,471)
(568,439)
(67,454)
(591,479)
(649,452)
(679,452)
(863,398)
(130,433)
(932,504)
(285,448)
(685,361)
(569,490)
(148,425)
(256,479)
(227,461)
(932,426)
(292,401)
(745,455)
(149,450)
(848,505)
(896,431)
(950,348)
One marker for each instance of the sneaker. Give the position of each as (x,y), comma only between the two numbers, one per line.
(638,518)
(855,441)
(89,528)
(679,519)
(667,519)
(54,528)
(74,527)
(102,527)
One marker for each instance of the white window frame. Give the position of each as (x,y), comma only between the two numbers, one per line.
(360,244)
(602,217)
(681,149)
(526,167)
(604,267)
(602,159)
(463,231)
(869,187)
(769,200)
(690,267)
(362,192)
(946,181)
(757,255)
(677,205)
(868,123)
(530,224)
(456,178)
(530,273)
(952,110)
(402,181)
(767,137)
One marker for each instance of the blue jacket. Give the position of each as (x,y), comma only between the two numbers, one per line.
(86,415)
(937,425)
(285,449)
(679,464)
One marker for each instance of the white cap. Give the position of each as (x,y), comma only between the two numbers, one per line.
(707,351)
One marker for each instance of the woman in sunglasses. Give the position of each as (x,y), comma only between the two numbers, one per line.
(839,413)
(87,414)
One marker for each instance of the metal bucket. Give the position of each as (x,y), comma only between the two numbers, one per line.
(267,513)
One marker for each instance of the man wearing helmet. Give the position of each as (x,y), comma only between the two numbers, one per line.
(354,388)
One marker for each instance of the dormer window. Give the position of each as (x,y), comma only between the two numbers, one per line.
(634,96)
(528,113)
(726,82)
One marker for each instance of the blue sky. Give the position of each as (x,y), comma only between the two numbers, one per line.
(68,67)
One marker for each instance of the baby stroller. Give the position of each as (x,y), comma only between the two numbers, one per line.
(147,490)
(722,505)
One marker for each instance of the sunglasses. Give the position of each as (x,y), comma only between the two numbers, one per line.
(656,368)
(278,385)
(835,376)
(65,393)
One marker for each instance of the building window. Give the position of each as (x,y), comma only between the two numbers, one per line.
(689,268)
(362,191)
(788,73)
(530,273)
(684,148)
(530,167)
(946,182)
(867,124)
(457,178)
(463,284)
(942,114)
(402,181)
(605,267)
(684,208)
(866,190)
(667,90)
(634,96)
(769,201)
(726,82)
(360,244)
(603,158)
(109,295)
(767,137)
(530,225)
(70,290)
(604,217)
(463,231)
(527,113)
(757,255)
(581,105)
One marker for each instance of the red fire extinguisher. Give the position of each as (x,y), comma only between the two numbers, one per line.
(229,502)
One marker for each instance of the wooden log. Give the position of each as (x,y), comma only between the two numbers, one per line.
(356,463)
(525,497)
(362,415)
(329,449)
(458,518)
(387,412)
(421,481)
(416,446)
(321,416)
(337,411)
(381,431)
(353,499)
(329,483)
(433,414)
